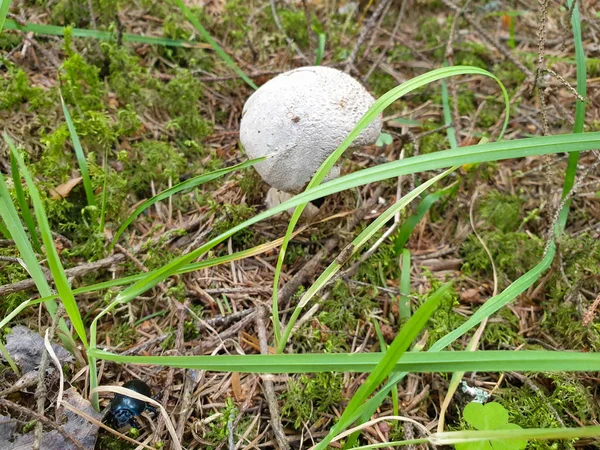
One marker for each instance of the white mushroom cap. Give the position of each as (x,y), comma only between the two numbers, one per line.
(299,118)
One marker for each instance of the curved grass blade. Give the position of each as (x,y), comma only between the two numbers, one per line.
(23,205)
(53,30)
(188,184)
(414,362)
(58,272)
(377,108)
(216,47)
(87,183)
(571,171)
(354,247)
(4,7)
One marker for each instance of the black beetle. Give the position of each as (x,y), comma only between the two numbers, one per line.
(124,409)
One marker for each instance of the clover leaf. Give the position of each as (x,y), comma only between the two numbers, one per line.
(491,416)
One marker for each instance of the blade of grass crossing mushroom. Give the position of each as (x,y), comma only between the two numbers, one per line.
(216,47)
(80,155)
(24,205)
(58,272)
(377,108)
(450,130)
(188,184)
(4,7)
(470,154)
(353,248)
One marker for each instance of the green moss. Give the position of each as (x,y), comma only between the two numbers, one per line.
(181,99)
(581,265)
(502,329)
(126,74)
(16,90)
(123,334)
(380,83)
(433,142)
(76,12)
(514,253)
(561,392)
(80,83)
(152,161)
(215,432)
(502,211)
(309,396)
(110,442)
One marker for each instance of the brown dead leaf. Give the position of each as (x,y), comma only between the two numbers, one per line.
(63,190)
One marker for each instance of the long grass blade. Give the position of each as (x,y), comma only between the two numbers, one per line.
(188,184)
(4,7)
(320,49)
(23,205)
(58,272)
(414,362)
(9,215)
(53,30)
(4,231)
(81,161)
(216,47)
(581,68)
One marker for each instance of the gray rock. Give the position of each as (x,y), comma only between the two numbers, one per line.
(26,347)
(299,118)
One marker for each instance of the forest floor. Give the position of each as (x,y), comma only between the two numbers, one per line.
(152,115)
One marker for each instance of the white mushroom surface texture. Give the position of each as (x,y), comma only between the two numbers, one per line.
(299,118)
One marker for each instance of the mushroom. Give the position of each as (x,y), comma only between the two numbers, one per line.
(298,119)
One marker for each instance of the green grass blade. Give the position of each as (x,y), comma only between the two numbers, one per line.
(377,108)
(83,168)
(188,184)
(104,195)
(404,309)
(571,171)
(4,231)
(413,362)
(355,246)
(58,272)
(9,215)
(320,49)
(450,131)
(524,434)
(4,7)
(216,47)
(23,205)
(409,225)
(53,30)
(384,368)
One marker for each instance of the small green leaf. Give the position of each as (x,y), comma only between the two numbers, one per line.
(492,416)
(384,139)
